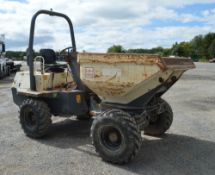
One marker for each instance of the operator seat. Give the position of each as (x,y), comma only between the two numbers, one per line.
(50,58)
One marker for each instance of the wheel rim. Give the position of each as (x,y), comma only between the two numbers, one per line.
(111,138)
(30,118)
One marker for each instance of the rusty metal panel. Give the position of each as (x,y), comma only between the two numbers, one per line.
(178,63)
(117,58)
(121,78)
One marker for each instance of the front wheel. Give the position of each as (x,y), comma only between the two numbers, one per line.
(35,118)
(116,136)
(162,123)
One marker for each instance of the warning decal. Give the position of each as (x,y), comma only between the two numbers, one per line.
(89,72)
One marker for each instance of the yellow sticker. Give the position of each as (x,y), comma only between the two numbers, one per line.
(45,77)
(78,98)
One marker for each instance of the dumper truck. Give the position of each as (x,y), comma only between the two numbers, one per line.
(122,93)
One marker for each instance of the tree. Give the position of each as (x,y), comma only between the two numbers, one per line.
(211,49)
(197,47)
(207,43)
(116,49)
(183,49)
(166,52)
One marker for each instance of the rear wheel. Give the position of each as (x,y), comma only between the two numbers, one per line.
(162,123)
(35,118)
(116,136)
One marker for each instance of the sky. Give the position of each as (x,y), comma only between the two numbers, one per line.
(99,24)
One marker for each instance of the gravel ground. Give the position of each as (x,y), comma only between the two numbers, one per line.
(187,148)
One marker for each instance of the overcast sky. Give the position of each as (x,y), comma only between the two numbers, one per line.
(99,24)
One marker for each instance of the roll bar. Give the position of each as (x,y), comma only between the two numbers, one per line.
(30,58)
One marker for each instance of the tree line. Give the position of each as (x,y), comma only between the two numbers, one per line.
(15,55)
(200,48)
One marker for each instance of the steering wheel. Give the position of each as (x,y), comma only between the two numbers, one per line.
(67,54)
(66,51)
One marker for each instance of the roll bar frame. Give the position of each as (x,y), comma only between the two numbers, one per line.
(30,51)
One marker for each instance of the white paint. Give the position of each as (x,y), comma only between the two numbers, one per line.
(111,72)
